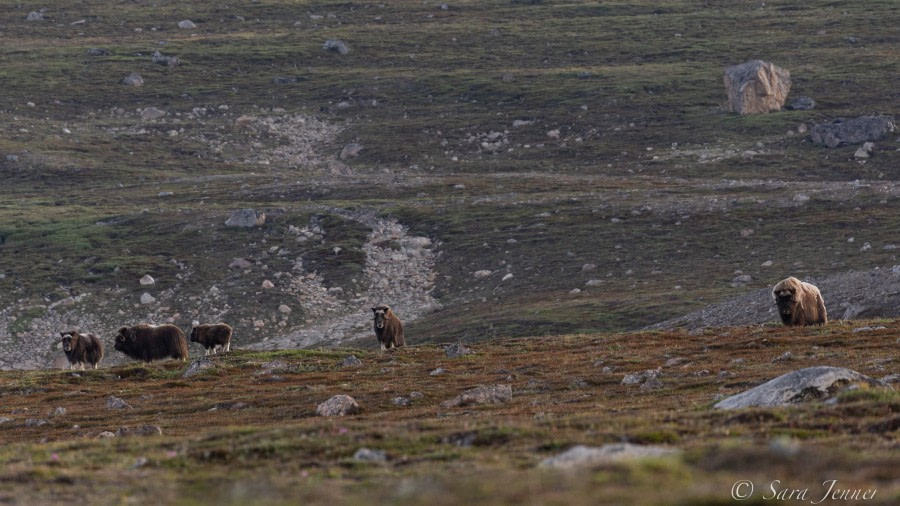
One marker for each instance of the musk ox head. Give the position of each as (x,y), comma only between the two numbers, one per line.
(786,294)
(381,314)
(123,338)
(69,340)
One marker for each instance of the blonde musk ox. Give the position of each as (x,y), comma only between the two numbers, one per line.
(799,303)
(388,328)
(151,342)
(81,349)
(213,336)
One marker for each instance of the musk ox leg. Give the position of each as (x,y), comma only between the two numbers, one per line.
(228,346)
(383,347)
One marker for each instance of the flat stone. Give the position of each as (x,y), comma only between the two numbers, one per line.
(580,455)
(795,387)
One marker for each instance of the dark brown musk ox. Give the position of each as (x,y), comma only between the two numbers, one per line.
(388,328)
(152,342)
(799,303)
(213,336)
(81,349)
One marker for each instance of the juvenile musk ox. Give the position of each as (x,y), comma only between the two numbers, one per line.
(82,349)
(799,303)
(212,336)
(388,328)
(151,342)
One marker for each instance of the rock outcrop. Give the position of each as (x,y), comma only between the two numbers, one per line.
(756,87)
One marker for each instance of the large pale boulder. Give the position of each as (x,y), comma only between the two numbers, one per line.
(797,386)
(756,87)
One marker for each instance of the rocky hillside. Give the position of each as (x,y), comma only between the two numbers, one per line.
(488,168)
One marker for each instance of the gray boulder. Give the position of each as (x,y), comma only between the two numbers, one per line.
(796,387)
(166,61)
(336,45)
(198,366)
(801,104)
(115,403)
(350,361)
(339,405)
(493,394)
(34,16)
(367,455)
(143,430)
(133,79)
(186,24)
(35,422)
(585,455)
(756,87)
(96,51)
(152,113)
(245,218)
(351,150)
(457,350)
(852,131)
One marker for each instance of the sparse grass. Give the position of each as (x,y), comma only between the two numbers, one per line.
(274,445)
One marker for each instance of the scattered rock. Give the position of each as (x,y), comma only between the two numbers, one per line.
(351,150)
(146,298)
(35,422)
(284,309)
(240,263)
(4,419)
(339,405)
(133,79)
(34,16)
(401,401)
(864,151)
(437,372)
(784,357)
(852,131)
(796,387)
(186,24)
(586,456)
(457,350)
(675,361)
(367,455)
(116,403)
(482,274)
(756,87)
(493,394)
(166,61)
(267,285)
(641,378)
(152,113)
(147,280)
(890,379)
(869,329)
(336,45)
(143,430)
(198,366)
(96,51)
(416,395)
(246,218)
(801,104)
(350,361)
(588,267)
(594,282)
(105,435)
(507,277)
(60,411)
(285,80)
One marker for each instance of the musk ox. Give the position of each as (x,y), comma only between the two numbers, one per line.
(151,342)
(212,336)
(81,349)
(388,328)
(799,303)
